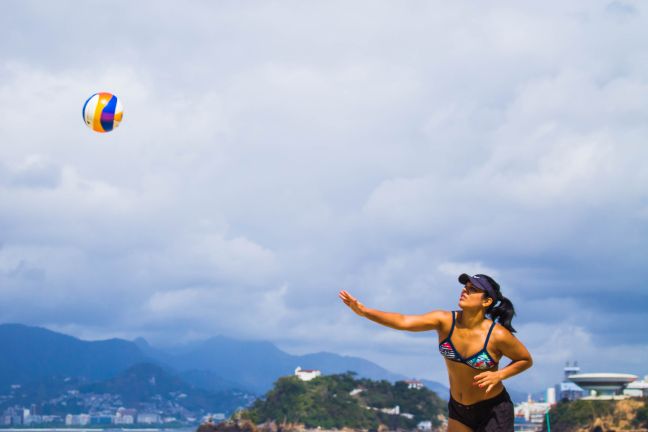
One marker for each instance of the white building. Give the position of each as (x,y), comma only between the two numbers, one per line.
(391,411)
(77,420)
(307,374)
(148,418)
(531,411)
(51,419)
(424,425)
(30,419)
(125,416)
(213,418)
(603,385)
(637,388)
(414,384)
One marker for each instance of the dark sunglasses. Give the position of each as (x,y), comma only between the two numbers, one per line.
(472,289)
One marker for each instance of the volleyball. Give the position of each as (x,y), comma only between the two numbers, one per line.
(102,112)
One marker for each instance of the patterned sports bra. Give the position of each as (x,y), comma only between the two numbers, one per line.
(482,360)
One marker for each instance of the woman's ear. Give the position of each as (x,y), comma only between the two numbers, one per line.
(487,302)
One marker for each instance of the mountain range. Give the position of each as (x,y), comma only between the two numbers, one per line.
(33,355)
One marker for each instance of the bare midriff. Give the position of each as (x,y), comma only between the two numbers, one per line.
(462,387)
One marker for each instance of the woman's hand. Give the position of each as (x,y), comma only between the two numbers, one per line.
(487,379)
(352,302)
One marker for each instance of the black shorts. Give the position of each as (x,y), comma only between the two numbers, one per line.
(490,415)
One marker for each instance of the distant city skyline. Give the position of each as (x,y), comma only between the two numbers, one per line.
(271,154)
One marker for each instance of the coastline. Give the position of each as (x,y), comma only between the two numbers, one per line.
(86,429)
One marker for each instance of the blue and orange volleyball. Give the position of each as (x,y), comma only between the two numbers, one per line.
(102,112)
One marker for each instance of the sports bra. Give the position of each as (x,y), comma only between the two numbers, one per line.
(482,360)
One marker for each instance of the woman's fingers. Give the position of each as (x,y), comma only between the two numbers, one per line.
(346,295)
(482,379)
(483,382)
(348,299)
(479,378)
(486,379)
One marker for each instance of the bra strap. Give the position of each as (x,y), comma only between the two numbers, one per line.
(489,334)
(453,325)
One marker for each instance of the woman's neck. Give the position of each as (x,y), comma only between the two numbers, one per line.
(471,318)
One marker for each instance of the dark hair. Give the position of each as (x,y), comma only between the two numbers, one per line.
(501,309)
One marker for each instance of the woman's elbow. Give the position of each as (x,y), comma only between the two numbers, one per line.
(530,361)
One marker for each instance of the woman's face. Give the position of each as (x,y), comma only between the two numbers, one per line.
(472,297)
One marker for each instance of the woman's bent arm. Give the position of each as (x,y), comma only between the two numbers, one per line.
(512,348)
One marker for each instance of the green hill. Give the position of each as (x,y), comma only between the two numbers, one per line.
(337,401)
(599,415)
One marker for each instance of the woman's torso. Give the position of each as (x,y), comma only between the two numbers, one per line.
(475,347)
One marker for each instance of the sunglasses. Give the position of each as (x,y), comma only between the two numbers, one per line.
(471,289)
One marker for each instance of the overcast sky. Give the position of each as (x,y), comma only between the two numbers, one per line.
(275,152)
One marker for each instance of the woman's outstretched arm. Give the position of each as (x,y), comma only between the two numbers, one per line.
(429,321)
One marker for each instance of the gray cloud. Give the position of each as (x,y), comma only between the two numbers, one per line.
(271,154)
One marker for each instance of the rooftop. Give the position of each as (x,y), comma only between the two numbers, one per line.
(603,378)
(569,386)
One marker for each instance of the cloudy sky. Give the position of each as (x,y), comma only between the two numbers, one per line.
(275,152)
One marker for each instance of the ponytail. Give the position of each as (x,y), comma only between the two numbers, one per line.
(501,310)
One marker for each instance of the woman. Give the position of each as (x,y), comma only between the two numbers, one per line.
(472,340)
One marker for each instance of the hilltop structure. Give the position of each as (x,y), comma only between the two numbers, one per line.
(307,374)
(599,385)
(529,415)
(414,384)
(603,385)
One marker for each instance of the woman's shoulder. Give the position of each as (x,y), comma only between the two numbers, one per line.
(500,333)
(442,313)
(446,318)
